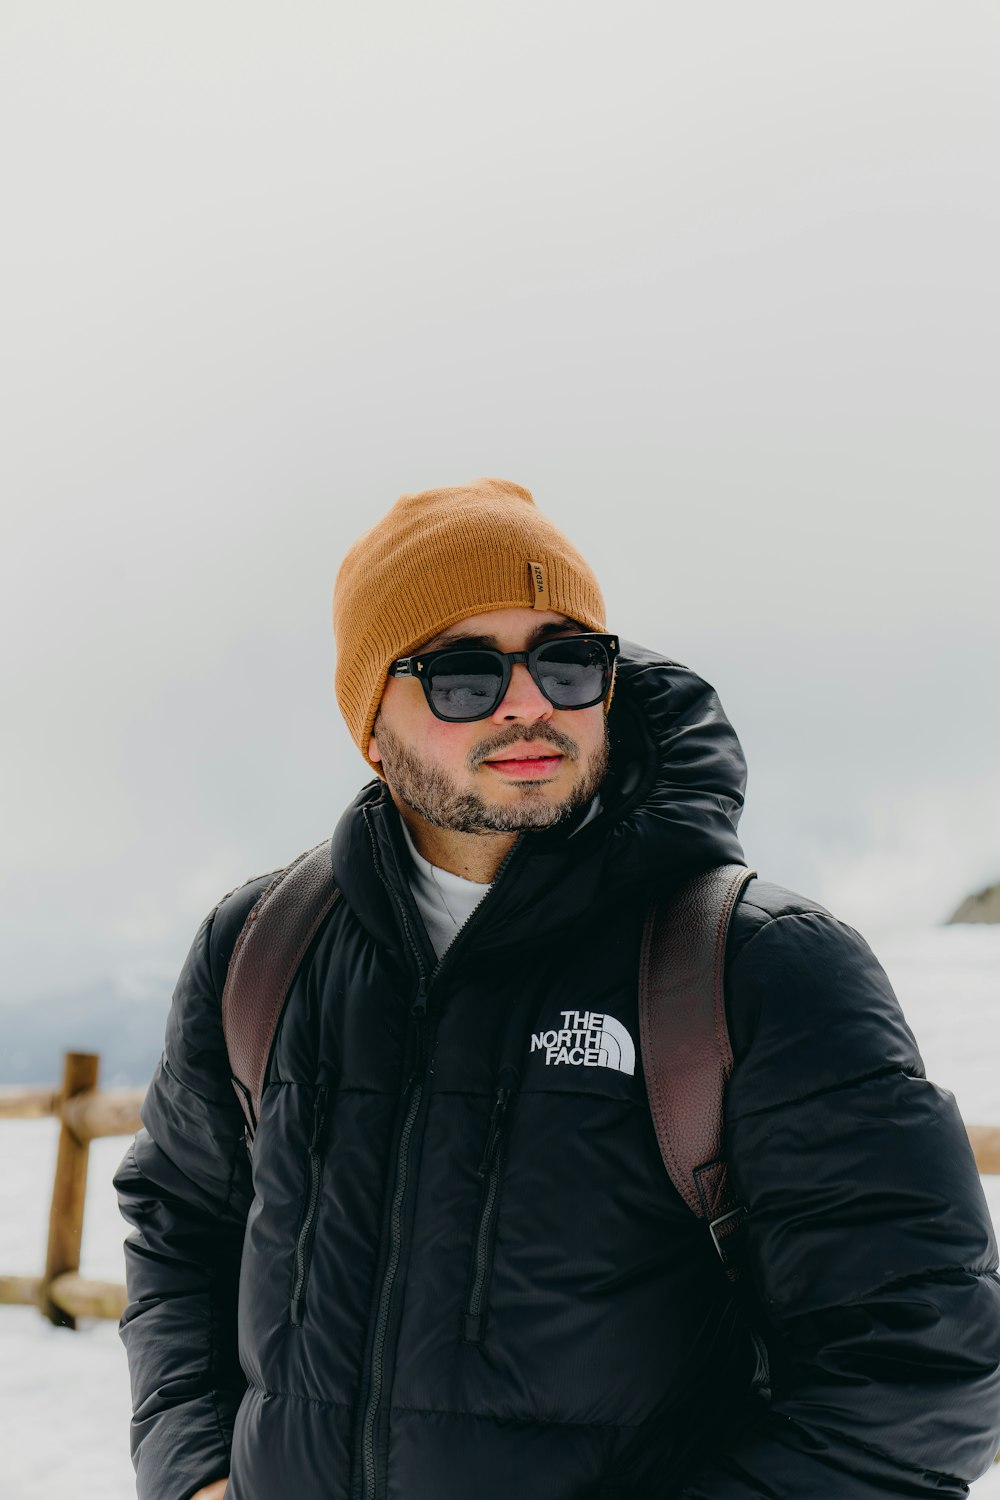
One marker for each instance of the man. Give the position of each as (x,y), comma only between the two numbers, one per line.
(459,1270)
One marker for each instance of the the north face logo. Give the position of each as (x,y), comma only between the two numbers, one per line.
(587,1039)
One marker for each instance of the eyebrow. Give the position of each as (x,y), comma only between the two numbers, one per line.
(540,633)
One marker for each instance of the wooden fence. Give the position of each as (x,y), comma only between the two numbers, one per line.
(61,1294)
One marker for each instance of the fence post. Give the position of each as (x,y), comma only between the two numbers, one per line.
(69,1189)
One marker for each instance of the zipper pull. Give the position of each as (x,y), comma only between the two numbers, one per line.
(419,1012)
(493,1134)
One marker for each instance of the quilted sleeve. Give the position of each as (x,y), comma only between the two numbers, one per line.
(872,1257)
(184,1187)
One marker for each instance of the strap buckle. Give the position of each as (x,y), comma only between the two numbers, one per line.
(713,1229)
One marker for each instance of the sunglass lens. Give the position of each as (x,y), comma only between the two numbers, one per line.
(573,673)
(465,684)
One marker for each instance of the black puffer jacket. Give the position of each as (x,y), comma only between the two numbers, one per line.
(465,1272)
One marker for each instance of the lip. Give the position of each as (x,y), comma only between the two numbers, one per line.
(527,767)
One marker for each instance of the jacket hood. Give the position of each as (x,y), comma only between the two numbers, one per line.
(670,806)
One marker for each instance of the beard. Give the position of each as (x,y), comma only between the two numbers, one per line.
(432,793)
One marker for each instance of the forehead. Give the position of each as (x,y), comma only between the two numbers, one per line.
(505,629)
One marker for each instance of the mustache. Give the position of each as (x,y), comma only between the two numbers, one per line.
(512,736)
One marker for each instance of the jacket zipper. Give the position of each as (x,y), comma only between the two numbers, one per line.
(303,1244)
(482,1264)
(415,1082)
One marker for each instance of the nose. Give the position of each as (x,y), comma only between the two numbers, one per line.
(523,699)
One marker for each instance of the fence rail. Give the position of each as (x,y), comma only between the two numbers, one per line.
(87,1113)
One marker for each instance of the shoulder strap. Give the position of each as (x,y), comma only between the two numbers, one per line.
(686,1052)
(266,957)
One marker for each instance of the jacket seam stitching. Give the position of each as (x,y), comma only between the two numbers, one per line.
(747,903)
(444,1411)
(926,1275)
(492,1416)
(876,1452)
(213,1353)
(264,1390)
(892,1070)
(642,1104)
(791,916)
(176,1078)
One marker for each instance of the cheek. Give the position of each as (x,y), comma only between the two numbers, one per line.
(446,745)
(589,734)
(432,740)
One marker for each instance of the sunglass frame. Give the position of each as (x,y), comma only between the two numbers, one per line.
(418,666)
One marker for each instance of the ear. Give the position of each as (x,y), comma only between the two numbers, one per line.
(374,753)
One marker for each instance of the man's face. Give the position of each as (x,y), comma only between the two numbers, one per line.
(525,766)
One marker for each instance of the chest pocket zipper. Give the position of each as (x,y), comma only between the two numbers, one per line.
(490,1170)
(304,1239)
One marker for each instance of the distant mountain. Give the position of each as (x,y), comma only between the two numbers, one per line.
(122,1021)
(983,906)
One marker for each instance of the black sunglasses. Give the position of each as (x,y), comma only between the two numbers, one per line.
(464,683)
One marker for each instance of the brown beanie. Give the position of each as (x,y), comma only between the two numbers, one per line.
(436,558)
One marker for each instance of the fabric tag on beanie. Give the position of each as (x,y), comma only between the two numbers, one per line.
(539,586)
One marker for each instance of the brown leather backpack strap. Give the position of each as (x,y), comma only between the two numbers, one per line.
(686,1052)
(267,954)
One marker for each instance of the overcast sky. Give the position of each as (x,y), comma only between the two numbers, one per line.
(718,283)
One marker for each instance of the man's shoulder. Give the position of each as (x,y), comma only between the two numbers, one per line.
(797,976)
(764,902)
(778,937)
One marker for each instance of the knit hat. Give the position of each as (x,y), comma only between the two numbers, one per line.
(434,559)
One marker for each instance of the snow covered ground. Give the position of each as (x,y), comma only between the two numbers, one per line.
(65,1396)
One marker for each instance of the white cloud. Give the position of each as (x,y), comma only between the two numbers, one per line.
(923,847)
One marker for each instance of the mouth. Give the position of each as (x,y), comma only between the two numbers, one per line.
(526,767)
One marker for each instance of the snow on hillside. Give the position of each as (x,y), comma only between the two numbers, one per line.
(65,1395)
